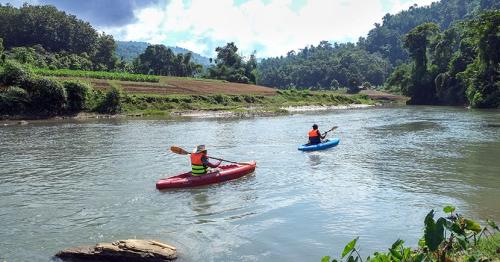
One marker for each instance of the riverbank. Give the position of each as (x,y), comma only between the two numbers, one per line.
(221,106)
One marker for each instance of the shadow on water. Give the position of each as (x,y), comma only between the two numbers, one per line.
(314,159)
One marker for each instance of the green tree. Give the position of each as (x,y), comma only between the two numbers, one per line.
(45,25)
(105,58)
(160,60)
(422,90)
(483,76)
(2,56)
(229,65)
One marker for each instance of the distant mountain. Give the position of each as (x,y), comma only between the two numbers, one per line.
(129,50)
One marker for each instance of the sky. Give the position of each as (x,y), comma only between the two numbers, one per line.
(269,27)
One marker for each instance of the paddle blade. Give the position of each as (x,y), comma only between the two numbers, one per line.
(178,150)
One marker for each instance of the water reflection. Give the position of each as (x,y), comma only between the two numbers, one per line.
(314,159)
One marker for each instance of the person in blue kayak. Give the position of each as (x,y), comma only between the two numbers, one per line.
(315,136)
(199,161)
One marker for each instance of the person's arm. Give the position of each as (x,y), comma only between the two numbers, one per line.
(205,161)
(322,137)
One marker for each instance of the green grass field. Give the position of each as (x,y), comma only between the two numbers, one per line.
(97,75)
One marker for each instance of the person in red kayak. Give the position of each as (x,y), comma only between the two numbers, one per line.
(199,161)
(315,136)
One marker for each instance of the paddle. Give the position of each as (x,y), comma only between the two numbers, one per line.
(181,151)
(333,128)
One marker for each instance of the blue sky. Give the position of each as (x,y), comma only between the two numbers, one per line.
(270,27)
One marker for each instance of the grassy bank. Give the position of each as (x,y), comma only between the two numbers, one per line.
(24,94)
(151,104)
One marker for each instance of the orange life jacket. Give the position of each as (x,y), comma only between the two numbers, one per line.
(197,166)
(314,133)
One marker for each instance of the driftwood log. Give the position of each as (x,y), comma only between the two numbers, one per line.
(122,250)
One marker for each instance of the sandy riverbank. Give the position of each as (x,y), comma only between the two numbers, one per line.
(251,112)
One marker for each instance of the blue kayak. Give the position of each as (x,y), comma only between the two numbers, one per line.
(324,145)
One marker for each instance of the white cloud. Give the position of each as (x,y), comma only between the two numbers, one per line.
(201,24)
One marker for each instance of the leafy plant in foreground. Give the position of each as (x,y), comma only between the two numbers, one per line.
(443,239)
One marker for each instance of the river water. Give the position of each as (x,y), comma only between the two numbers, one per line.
(71,183)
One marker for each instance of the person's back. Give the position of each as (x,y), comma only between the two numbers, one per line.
(314,136)
(199,161)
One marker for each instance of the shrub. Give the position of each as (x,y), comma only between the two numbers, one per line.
(47,96)
(78,95)
(14,73)
(111,103)
(249,99)
(13,100)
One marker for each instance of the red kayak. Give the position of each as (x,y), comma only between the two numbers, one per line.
(225,173)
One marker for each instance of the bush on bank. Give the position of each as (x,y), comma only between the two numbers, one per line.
(23,93)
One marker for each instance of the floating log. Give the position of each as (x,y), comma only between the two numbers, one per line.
(122,250)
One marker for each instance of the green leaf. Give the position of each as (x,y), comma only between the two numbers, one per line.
(456,229)
(350,259)
(419,258)
(397,244)
(434,231)
(449,209)
(421,242)
(462,240)
(396,255)
(406,254)
(472,225)
(325,259)
(395,249)
(349,247)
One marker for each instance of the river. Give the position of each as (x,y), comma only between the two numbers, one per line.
(69,183)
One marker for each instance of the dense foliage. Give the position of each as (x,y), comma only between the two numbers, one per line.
(130,50)
(387,38)
(449,238)
(37,56)
(2,56)
(230,66)
(160,60)
(426,53)
(460,66)
(324,67)
(23,93)
(56,32)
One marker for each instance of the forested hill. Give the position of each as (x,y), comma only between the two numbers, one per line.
(370,60)
(129,50)
(387,38)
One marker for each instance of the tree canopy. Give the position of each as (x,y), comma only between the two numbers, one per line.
(324,66)
(460,66)
(56,32)
(160,60)
(230,66)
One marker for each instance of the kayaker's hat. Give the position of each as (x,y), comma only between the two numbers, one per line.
(199,149)
(315,126)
